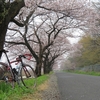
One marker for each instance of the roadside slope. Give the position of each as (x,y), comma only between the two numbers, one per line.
(47,91)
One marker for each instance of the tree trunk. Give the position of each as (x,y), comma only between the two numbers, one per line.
(38,70)
(3,30)
(7,14)
(46,67)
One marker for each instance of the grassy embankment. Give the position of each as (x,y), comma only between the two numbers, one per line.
(8,93)
(87,73)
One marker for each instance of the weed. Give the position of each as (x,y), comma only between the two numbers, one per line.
(9,93)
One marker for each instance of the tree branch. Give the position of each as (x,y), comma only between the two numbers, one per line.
(15,43)
(17,23)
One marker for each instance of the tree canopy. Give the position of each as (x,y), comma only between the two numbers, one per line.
(42,27)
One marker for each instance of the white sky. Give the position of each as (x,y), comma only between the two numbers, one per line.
(78,33)
(95,0)
(73,40)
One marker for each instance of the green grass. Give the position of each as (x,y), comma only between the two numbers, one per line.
(41,79)
(8,93)
(87,73)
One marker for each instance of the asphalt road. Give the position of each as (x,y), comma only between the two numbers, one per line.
(78,87)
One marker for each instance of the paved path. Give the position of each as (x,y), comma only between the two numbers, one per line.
(78,87)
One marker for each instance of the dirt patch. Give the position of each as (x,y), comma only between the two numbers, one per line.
(43,86)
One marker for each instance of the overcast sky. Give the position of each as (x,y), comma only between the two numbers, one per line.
(95,0)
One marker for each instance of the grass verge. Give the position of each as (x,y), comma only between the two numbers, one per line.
(8,93)
(87,73)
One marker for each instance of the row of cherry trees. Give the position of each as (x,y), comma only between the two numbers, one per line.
(46,26)
(86,51)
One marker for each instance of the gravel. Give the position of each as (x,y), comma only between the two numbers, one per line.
(52,92)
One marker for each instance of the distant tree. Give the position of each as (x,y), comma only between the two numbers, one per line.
(88,52)
(74,56)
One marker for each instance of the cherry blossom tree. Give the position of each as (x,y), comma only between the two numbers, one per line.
(47,25)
